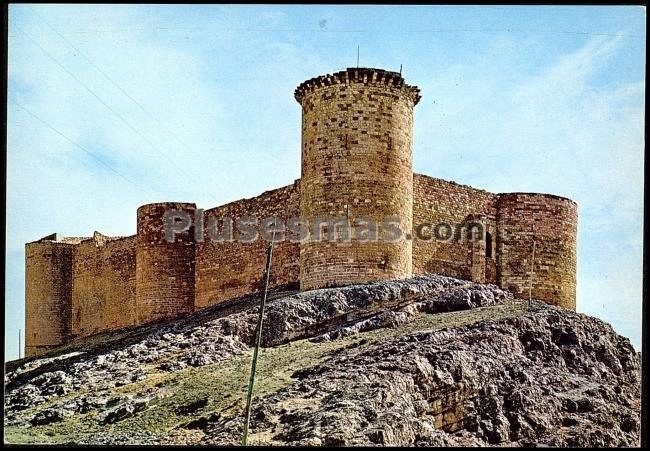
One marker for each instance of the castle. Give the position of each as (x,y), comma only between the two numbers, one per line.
(357,133)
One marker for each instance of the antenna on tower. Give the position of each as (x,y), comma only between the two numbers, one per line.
(357,56)
(400,70)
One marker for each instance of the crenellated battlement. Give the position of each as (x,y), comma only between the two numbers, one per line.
(363,75)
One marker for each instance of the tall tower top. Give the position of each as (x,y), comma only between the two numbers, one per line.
(364,75)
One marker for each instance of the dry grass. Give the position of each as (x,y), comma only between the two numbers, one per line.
(223,385)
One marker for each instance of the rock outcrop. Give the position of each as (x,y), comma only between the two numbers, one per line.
(424,361)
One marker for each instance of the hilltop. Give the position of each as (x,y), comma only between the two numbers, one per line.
(430,360)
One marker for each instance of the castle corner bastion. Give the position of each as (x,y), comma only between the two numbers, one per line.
(356,169)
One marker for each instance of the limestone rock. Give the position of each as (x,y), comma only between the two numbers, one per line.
(493,371)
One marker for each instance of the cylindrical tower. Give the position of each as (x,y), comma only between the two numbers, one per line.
(164,271)
(357,133)
(48,283)
(550,222)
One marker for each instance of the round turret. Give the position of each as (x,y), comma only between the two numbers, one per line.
(48,283)
(550,222)
(357,134)
(164,271)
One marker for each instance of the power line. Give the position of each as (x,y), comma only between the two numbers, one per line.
(385,31)
(131,127)
(113,82)
(58,132)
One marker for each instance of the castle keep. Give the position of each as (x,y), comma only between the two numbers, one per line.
(357,135)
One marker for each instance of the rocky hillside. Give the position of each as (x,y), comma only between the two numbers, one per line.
(425,361)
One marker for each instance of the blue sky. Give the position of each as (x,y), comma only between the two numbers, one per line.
(195,103)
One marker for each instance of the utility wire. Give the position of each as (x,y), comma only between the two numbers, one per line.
(42,121)
(325,30)
(113,82)
(119,116)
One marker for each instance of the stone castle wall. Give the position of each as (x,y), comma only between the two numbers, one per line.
(438,202)
(103,286)
(75,290)
(230,269)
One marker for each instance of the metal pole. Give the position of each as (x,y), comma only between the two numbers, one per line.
(20,343)
(258,340)
(532,272)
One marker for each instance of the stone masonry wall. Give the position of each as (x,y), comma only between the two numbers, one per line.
(438,201)
(357,132)
(48,279)
(103,285)
(92,285)
(551,221)
(164,271)
(226,270)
